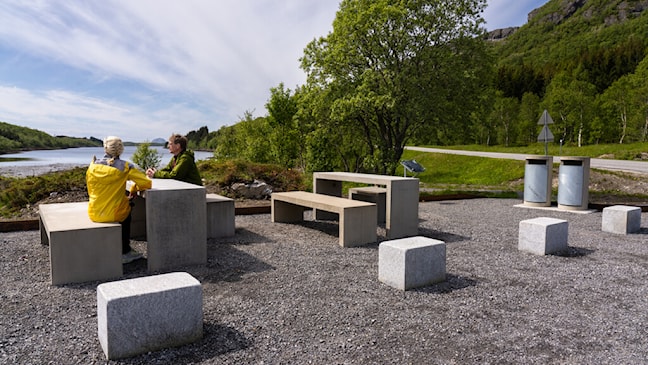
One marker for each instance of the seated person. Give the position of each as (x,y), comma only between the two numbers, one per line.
(106,181)
(182,165)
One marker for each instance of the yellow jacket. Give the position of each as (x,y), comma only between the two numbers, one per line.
(107,190)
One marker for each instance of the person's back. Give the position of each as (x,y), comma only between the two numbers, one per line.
(109,200)
(107,188)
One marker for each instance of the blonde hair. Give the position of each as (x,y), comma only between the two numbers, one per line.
(114,147)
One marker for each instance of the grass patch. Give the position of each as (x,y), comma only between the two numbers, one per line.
(456,173)
(17,193)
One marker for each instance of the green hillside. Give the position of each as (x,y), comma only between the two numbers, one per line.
(15,138)
(605,39)
(583,61)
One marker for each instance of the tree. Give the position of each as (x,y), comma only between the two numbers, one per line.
(505,111)
(573,99)
(146,157)
(392,69)
(286,135)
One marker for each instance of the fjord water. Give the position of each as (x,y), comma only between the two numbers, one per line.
(80,156)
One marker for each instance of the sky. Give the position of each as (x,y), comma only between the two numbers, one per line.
(145,69)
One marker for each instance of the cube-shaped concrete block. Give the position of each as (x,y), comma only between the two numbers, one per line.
(220,216)
(412,262)
(621,219)
(542,236)
(140,315)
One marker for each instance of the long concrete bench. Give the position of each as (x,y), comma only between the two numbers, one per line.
(357,219)
(80,250)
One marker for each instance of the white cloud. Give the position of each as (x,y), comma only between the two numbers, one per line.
(222,56)
(146,68)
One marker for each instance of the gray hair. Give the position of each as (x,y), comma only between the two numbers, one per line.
(113,146)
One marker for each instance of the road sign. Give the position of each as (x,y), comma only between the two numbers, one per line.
(545,134)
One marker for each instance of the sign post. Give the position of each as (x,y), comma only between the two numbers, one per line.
(545,134)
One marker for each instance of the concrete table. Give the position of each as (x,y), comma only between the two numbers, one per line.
(401,209)
(175,220)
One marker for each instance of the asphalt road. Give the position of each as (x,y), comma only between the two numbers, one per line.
(640,167)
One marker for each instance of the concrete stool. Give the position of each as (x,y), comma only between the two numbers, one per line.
(411,262)
(220,216)
(621,219)
(136,316)
(371,194)
(542,236)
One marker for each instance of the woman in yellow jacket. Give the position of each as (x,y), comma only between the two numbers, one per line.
(109,202)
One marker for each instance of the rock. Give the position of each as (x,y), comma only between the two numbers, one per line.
(256,190)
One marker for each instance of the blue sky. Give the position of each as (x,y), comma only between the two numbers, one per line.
(144,69)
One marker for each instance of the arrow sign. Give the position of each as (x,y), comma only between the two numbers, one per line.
(545,118)
(545,135)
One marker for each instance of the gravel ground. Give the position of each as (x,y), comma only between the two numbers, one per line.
(288,294)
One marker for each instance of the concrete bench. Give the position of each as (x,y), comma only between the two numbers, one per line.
(411,262)
(371,194)
(80,250)
(357,219)
(220,216)
(621,219)
(150,313)
(542,236)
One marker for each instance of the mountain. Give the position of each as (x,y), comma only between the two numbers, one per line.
(565,29)
(604,38)
(158,141)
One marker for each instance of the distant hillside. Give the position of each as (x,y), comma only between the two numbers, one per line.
(15,138)
(606,38)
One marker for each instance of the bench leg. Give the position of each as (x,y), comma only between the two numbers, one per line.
(43,233)
(286,212)
(358,226)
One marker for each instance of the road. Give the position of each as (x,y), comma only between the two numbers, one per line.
(640,167)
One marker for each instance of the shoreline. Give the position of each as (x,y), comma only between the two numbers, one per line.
(36,170)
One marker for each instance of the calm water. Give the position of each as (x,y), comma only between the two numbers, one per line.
(80,156)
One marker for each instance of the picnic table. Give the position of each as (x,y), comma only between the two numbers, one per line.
(401,210)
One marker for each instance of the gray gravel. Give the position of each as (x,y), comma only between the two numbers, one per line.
(288,294)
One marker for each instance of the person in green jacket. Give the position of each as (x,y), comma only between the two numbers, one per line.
(182,165)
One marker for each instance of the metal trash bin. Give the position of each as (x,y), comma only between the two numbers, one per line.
(573,183)
(537,181)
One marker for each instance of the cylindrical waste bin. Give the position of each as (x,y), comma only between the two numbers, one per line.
(537,181)
(573,183)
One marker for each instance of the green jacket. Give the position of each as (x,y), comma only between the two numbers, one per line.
(181,167)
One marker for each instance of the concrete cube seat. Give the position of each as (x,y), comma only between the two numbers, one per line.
(80,250)
(136,316)
(372,194)
(542,236)
(411,262)
(220,216)
(621,219)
